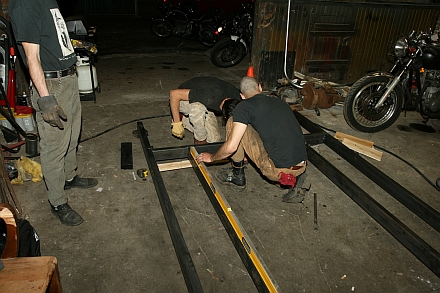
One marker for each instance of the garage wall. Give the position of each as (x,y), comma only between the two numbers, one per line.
(336,41)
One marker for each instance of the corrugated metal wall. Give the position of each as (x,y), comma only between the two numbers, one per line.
(336,41)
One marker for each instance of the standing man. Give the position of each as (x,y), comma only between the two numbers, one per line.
(267,130)
(198,99)
(46,49)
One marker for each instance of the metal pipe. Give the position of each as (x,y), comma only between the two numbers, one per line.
(287,41)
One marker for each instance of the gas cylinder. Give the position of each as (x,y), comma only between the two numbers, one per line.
(11,90)
(84,75)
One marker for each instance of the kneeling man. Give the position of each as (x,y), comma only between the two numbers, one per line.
(266,129)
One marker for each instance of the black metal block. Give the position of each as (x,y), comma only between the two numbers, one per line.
(126,155)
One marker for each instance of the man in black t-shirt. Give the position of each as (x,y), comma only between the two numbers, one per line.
(267,130)
(45,46)
(199,99)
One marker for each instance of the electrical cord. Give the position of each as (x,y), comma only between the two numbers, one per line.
(98,134)
(122,124)
(400,158)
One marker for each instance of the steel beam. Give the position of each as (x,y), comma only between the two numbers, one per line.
(411,241)
(405,197)
(181,152)
(416,245)
(186,264)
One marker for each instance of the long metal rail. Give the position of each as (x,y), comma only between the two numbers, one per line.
(416,245)
(183,256)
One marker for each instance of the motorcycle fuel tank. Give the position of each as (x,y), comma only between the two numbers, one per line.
(431,57)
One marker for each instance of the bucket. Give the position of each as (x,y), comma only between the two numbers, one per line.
(31,144)
(26,122)
(5,123)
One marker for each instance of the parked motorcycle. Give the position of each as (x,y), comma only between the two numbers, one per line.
(185,23)
(375,101)
(231,50)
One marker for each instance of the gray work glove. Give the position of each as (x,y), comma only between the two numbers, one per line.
(51,111)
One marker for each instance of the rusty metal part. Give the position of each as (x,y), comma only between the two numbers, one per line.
(327,97)
(310,96)
(323,97)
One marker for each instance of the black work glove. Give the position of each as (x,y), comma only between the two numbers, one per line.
(51,111)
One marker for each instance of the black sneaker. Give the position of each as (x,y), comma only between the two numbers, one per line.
(78,182)
(66,215)
(227,176)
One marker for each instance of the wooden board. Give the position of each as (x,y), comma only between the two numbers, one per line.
(174,165)
(362,149)
(184,164)
(341,136)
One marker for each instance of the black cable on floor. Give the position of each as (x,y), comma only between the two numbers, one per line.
(101,133)
(122,124)
(398,157)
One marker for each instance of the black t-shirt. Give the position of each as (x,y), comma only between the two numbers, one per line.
(210,91)
(277,126)
(40,22)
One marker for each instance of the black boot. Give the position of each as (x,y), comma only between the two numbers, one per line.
(233,176)
(297,193)
(66,215)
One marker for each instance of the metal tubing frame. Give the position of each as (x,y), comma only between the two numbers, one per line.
(186,264)
(250,257)
(408,199)
(416,245)
(411,241)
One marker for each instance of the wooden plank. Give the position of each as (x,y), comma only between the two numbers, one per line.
(184,164)
(362,149)
(174,165)
(341,136)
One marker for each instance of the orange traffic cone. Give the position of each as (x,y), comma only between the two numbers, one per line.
(250,71)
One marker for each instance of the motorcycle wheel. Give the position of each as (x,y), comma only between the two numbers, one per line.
(207,37)
(161,28)
(227,53)
(359,111)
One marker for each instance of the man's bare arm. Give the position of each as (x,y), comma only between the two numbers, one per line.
(228,147)
(175,97)
(32,52)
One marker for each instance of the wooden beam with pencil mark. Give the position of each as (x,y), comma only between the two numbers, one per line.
(341,136)
(363,149)
(183,165)
(174,165)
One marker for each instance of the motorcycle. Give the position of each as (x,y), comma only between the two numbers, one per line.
(231,50)
(375,101)
(185,23)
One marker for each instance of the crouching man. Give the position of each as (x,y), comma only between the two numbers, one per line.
(199,99)
(266,129)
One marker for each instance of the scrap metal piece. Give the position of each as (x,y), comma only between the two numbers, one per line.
(310,96)
(321,97)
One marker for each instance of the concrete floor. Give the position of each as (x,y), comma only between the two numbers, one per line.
(124,244)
